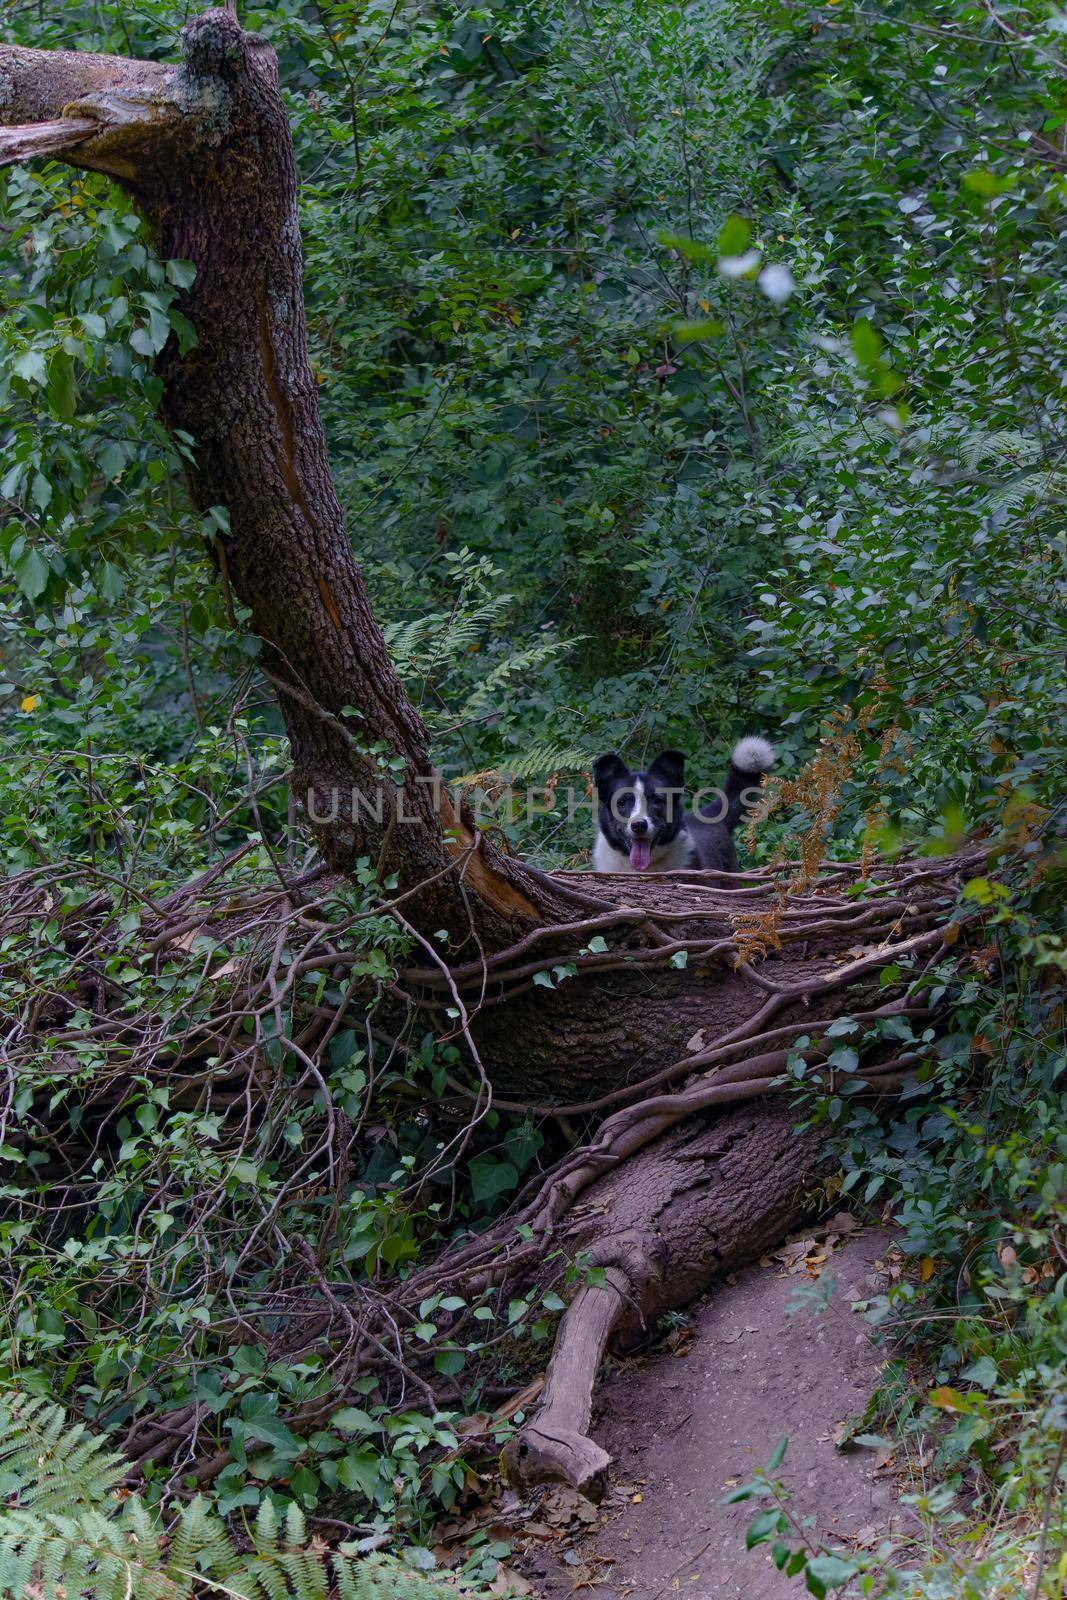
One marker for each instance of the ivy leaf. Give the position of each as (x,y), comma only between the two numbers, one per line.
(111,582)
(352,1420)
(491,1177)
(733,236)
(260,1416)
(31,366)
(693,332)
(866,345)
(761,1528)
(361,1470)
(181,273)
(111,460)
(828,1572)
(31,573)
(62,391)
(983,1372)
(988,185)
(945,1398)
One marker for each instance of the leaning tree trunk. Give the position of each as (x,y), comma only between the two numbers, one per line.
(205,151)
(663,1020)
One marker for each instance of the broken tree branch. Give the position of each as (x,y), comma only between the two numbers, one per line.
(44,139)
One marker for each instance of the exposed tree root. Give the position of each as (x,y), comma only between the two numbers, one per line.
(703,1199)
(692,1171)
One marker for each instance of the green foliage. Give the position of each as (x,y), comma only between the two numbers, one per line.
(84,457)
(919,494)
(497,360)
(685,368)
(132,1312)
(988,1564)
(794,1549)
(923,539)
(67,1532)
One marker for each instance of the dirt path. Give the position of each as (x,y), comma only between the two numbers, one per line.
(685,1427)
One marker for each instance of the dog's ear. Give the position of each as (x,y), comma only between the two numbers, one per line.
(607,770)
(669,769)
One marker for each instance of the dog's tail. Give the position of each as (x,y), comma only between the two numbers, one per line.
(750,758)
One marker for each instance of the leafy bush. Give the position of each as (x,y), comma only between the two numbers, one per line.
(69,1530)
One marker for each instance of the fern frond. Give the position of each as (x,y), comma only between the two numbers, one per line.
(1035,488)
(49,1462)
(421,643)
(545,760)
(66,1535)
(519,663)
(1002,445)
(87,1556)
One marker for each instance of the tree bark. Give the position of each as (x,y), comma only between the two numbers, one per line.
(704,1199)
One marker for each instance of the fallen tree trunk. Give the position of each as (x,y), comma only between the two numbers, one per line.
(670,1187)
(707,1198)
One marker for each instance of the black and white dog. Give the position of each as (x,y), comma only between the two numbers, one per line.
(643,823)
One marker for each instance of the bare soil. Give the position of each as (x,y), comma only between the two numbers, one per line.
(685,1426)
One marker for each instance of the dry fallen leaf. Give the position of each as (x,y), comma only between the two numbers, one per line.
(507,1582)
(561,1506)
(537,1530)
(793,1256)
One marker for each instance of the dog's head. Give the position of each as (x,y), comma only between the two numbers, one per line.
(641,813)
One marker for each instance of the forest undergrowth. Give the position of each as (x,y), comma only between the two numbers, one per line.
(687,370)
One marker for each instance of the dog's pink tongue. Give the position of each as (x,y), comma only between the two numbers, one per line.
(640,854)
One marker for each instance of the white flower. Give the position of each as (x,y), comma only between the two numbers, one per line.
(739,266)
(777,283)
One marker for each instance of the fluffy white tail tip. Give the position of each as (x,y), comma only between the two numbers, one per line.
(753,754)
